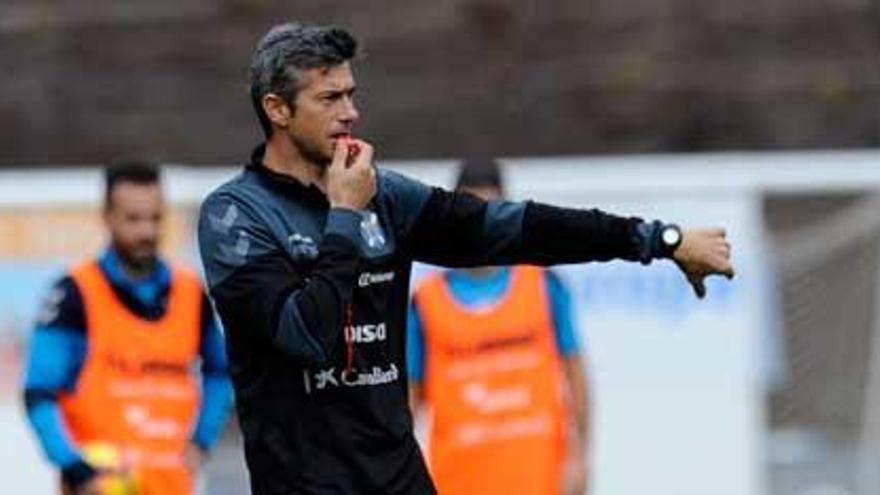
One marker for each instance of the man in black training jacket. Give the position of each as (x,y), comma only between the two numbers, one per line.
(308,252)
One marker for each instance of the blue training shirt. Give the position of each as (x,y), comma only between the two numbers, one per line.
(477,292)
(58,350)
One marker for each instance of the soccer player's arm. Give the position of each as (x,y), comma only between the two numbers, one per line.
(55,357)
(577,383)
(216,387)
(263,296)
(415,358)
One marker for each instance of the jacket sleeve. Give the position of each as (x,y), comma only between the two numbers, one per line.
(457,229)
(55,357)
(262,294)
(216,388)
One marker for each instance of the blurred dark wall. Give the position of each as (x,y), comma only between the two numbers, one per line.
(89,81)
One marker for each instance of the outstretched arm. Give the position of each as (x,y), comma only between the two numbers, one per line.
(458,229)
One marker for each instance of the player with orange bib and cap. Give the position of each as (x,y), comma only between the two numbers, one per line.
(112,386)
(493,354)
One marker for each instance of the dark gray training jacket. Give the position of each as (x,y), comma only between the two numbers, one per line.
(314,299)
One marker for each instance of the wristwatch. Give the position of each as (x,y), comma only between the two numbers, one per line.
(670,239)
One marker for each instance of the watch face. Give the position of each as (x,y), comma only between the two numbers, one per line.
(671,236)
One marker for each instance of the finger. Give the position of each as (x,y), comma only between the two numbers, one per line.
(718,232)
(340,154)
(365,153)
(725,268)
(698,285)
(374,183)
(729,273)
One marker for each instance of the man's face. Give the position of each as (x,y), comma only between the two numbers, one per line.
(134,219)
(323,112)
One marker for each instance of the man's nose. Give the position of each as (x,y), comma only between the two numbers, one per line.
(349,111)
(149,229)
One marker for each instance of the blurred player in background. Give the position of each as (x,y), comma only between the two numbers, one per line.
(111,385)
(308,253)
(493,354)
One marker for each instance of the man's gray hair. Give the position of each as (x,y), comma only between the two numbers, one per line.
(284,54)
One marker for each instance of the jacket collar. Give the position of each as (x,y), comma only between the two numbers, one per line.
(283,183)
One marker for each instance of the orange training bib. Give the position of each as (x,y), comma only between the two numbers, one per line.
(494,386)
(137,389)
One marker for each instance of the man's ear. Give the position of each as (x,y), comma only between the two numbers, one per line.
(277,109)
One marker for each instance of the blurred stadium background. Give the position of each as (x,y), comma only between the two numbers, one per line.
(771,387)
